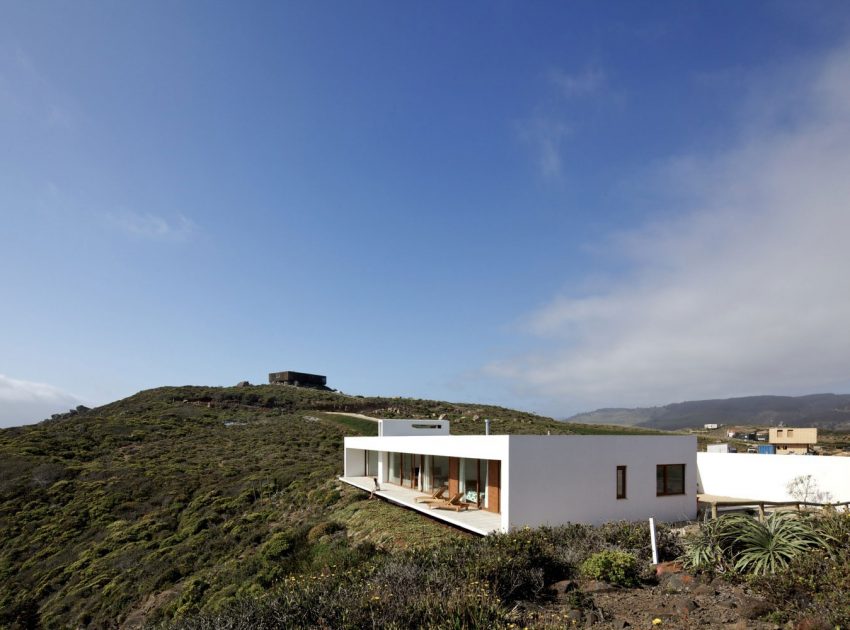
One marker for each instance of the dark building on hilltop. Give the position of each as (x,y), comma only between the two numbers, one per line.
(299,379)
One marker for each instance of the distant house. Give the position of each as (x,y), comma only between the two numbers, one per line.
(502,482)
(711,425)
(790,441)
(299,379)
(721,448)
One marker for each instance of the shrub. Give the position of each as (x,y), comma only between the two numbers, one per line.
(615,567)
(279,545)
(813,585)
(323,529)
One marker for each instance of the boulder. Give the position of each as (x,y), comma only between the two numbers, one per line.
(596,586)
(677,582)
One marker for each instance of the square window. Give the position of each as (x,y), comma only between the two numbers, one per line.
(669,479)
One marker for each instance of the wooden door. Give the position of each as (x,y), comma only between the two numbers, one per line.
(494,484)
(454,475)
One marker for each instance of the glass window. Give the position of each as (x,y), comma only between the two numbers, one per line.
(482,483)
(371,463)
(469,480)
(669,479)
(621,482)
(395,468)
(439,471)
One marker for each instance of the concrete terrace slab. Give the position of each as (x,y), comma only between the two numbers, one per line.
(476,521)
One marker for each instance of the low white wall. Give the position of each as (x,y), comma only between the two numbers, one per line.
(387,428)
(559,479)
(765,477)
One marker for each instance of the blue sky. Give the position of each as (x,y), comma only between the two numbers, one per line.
(552,206)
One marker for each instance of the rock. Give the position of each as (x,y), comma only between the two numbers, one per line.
(592,617)
(564,586)
(683,605)
(677,582)
(705,590)
(752,608)
(574,616)
(739,625)
(596,586)
(620,624)
(82,409)
(243,384)
(668,567)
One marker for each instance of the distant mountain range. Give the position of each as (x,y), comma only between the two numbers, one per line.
(826,411)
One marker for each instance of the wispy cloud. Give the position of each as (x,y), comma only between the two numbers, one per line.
(26,402)
(152,226)
(548,128)
(28,95)
(747,293)
(546,137)
(589,81)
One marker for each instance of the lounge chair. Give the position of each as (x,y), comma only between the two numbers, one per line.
(452,504)
(437,495)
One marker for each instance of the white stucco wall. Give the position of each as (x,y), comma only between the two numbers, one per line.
(559,479)
(765,477)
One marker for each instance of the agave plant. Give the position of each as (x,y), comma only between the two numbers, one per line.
(703,550)
(766,547)
(741,543)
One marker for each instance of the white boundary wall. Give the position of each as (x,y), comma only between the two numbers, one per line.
(765,477)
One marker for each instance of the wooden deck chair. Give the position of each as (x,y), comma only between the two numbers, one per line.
(437,495)
(452,504)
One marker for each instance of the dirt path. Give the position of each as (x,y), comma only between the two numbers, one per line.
(353,415)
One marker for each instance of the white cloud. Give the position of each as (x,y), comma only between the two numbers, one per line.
(25,402)
(152,226)
(748,293)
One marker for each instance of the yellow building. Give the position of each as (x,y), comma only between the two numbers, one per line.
(793,441)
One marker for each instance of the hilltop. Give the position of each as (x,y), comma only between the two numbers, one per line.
(825,411)
(180,500)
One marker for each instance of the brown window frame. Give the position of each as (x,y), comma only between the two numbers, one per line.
(621,495)
(665,492)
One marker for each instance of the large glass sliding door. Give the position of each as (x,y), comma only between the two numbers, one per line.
(473,481)
(395,468)
(371,463)
(439,471)
(411,470)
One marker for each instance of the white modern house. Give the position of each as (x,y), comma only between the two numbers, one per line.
(511,481)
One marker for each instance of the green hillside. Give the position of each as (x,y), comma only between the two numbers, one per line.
(184,499)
